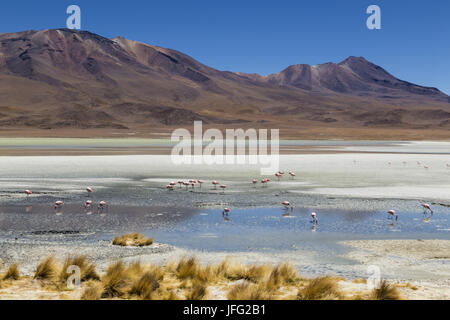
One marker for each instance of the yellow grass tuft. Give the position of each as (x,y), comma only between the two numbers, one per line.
(187,268)
(385,291)
(133,239)
(13,273)
(115,280)
(407,285)
(322,288)
(198,291)
(145,286)
(47,269)
(361,280)
(92,293)
(249,291)
(87,269)
(282,274)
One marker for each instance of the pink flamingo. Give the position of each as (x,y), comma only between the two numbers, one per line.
(426,167)
(89,190)
(180,182)
(287,205)
(58,204)
(314,217)
(254,181)
(223,187)
(226,211)
(278,175)
(28,192)
(215,183)
(425,207)
(186,184)
(392,214)
(102,205)
(200,182)
(169,187)
(88,204)
(292,174)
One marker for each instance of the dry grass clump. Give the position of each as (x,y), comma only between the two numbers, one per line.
(133,239)
(282,274)
(13,273)
(361,280)
(145,286)
(92,293)
(87,269)
(187,268)
(407,285)
(47,269)
(115,280)
(385,291)
(198,291)
(232,270)
(207,274)
(322,288)
(249,291)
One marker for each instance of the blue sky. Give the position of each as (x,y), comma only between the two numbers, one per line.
(266,36)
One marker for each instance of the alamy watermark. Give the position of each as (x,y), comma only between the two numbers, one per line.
(374,20)
(74,280)
(237,146)
(374,279)
(74,20)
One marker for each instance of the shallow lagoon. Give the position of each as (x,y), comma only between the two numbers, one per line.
(351,192)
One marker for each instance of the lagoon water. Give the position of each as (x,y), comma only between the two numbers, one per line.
(351,192)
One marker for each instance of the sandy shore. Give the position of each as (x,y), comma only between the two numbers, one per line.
(425,263)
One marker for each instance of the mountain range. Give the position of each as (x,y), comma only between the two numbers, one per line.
(61,80)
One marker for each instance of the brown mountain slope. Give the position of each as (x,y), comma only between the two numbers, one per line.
(66,80)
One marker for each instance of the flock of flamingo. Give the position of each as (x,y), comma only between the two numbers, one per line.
(286,204)
(89,204)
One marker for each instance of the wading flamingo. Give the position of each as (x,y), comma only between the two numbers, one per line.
(278,175)
(88,204)
(169,187)
(215,183)
(292,174)
(392,214)
(200,182)
(226,211)
(314,217)
(255,182)
(58,204)
(223,187)
(28,192)
(426,207)
(89,190)
(180,183)
(287,205)
(102,205)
